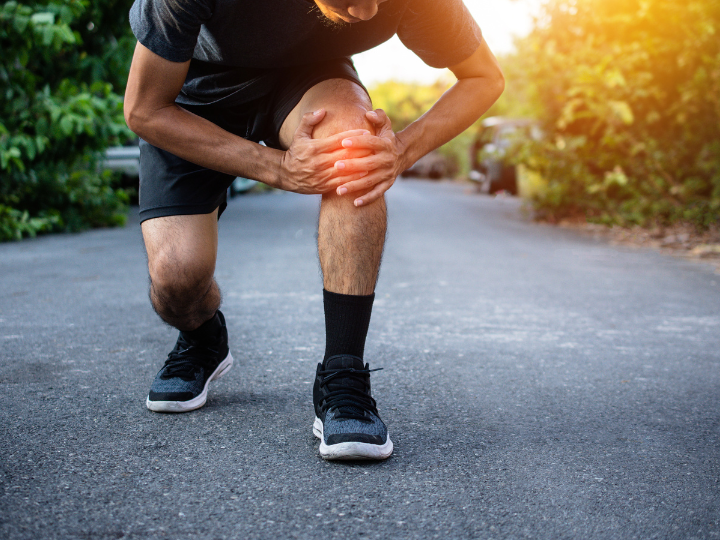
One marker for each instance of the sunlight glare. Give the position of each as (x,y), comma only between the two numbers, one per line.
(500,21)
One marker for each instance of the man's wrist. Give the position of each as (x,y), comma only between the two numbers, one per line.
(267,165)
(405,158)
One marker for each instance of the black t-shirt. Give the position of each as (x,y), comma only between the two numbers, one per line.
(232,43)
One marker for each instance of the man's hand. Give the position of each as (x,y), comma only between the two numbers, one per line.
(308,164)
(381,168)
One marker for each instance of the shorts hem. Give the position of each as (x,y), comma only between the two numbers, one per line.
(178,210)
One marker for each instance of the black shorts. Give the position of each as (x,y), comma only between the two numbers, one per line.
(171,186)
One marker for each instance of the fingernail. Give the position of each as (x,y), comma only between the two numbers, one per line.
(358,202)
(339,165)
(316,113)
(374,114)
(342,191)
(366,132)
(347,143)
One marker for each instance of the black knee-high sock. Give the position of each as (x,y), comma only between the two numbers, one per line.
(347,318)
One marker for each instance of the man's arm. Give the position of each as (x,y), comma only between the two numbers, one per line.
(480,83)
(151,112)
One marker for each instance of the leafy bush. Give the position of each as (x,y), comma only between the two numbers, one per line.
(59,110)
(629,97)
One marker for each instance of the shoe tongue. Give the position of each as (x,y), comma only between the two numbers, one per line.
(344,361)
(353,380)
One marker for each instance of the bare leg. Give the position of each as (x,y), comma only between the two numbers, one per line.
(181,259)
(350,245)
(350,239)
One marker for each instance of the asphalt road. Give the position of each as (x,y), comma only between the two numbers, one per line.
(536,383)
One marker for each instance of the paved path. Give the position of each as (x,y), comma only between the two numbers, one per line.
(537,384)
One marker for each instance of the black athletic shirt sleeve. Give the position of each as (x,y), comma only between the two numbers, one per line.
(441,32)
(169,28)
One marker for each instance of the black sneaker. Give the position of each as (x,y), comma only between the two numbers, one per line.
(182,383)
(346,417)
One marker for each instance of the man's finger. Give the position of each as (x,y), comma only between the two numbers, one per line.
(368,163)
(346,153)
(378,117)
(334,141)
(374,194)
(366,141)
(307,123)
(360,184)
(382,123)
(330,183)
(339,181)
(326,161)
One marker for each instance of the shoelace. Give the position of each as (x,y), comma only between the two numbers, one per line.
(350,402)
(184,360)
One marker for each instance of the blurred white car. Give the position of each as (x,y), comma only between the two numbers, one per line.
(125,159)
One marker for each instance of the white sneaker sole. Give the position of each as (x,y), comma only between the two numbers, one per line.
(351,450)
(196,402)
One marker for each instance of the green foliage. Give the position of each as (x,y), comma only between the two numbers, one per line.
(405,102)
(59,109)
(628,93)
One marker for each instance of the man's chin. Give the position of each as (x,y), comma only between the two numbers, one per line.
(329,19)
(335,23)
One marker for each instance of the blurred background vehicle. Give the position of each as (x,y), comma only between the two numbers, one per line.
(125,159)
(241,185)
(433,165)
(492,151)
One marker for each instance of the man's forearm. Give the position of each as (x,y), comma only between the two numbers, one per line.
(454,112)
(199,141)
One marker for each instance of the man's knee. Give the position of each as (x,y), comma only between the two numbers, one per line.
(345,109)
(179,278)
(181,257)
(341,118)
(338,119)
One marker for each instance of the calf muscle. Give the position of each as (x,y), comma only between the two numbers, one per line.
(350,244)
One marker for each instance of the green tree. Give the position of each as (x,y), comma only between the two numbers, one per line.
(628,93)
(61,68)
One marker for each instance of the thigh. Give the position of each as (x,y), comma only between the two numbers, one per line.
(181,245)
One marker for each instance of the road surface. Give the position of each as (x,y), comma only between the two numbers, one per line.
(536,383)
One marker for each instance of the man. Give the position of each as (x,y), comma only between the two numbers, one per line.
(212,78)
